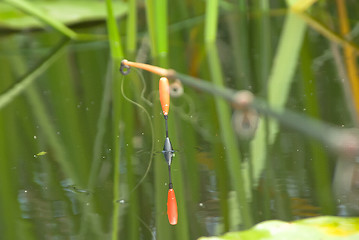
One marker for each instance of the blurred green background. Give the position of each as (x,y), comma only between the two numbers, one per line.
(80,144)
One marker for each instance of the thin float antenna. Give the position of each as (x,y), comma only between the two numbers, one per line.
(170,186)
(166,117)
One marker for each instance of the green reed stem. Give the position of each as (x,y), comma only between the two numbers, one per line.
(211,21)
(241,47)
(128,133)
(157,19)
(117,54)
(114,36)
(117,152)
(160,177)
(182,229)
(151,23)
(131,38)
(263,40)
(161,28)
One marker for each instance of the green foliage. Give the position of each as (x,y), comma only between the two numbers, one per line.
(315,228)
(20,15)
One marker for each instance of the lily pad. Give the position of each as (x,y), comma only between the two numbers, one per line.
(329,228)
(67,12)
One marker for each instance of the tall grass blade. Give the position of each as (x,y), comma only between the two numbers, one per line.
(114,36)
(117,56)
(131,38)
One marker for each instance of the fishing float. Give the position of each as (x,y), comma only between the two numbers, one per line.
(168,151)
(164,89)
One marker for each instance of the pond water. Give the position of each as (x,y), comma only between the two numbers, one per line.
(81,145)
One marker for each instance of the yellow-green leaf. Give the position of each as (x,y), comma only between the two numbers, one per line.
(326,227)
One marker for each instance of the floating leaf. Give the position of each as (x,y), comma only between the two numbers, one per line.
(66,12)
(329,228)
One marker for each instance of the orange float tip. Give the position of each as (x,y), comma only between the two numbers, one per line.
(172,207)
(164,88)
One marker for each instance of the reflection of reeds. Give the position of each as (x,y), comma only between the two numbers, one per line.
(319,161)
(32,75)
(223,115)
(210,114)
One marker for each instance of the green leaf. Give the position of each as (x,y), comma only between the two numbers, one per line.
(65,12)
(329,228)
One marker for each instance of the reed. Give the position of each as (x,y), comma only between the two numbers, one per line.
(320,161)
(131,36)
(223,113)
(116,54)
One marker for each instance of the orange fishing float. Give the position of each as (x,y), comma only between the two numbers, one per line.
(168,151)
(164,89)
(172,207)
